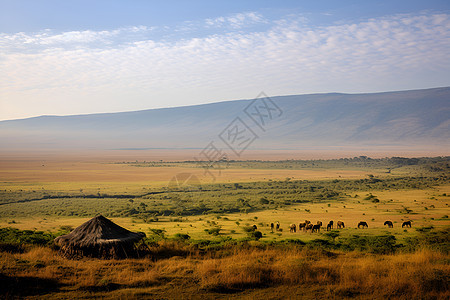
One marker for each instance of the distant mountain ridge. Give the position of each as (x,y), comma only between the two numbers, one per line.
(402,119)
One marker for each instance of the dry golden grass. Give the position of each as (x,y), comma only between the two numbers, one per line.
(294,272)
(94,171)
(403,275)
(75,175)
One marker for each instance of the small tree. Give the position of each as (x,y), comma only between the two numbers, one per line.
(332,234)
(213,231)
(256,235)
(182,237)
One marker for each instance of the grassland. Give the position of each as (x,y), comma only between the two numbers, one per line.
(203,227)
(248,272)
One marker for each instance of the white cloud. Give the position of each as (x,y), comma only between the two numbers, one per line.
(236,21)
(47,38)
(95,71)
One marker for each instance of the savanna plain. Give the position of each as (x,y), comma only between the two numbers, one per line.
(209,232)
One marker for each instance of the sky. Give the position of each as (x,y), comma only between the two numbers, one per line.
(77,57)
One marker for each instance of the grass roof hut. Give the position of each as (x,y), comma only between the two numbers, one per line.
(101,238)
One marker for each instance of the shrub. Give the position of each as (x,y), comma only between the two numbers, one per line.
(429,237)
(256,235)
(213,231)
(380,244)
(332,234)
(16,236)
(158,232)
(181,237)
(320,243)
(248,228)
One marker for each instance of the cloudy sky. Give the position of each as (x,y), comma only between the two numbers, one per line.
(72,57)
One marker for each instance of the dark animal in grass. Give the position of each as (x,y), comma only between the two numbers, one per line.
(254,227)
(406,224)
(340,225)
(309,227)
(316,228)
(292,228)
(303,225)
(319,223)
(363,224)
(389,224)
(278,226)
(330,225)
(271,226)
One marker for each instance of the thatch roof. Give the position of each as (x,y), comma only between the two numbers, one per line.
(97,235)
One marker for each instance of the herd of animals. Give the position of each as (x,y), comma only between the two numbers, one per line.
(307,225)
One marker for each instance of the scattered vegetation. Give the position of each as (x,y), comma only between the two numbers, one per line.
(422,164)
(236,251)
(211,199)
(210,268)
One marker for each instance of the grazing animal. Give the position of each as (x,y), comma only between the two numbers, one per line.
(340,224)
(406,224)
(292,228)
(319,223)
(271,227)
(316,228)
(254,227)
(309,227)
(278,226)
(330,225)
(301,226)
(363,224)
(389,224)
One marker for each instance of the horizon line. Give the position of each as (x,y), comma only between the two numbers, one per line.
(223,101)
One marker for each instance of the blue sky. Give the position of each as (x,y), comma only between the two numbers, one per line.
(71,57)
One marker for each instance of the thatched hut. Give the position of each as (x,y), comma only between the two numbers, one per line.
(99,237)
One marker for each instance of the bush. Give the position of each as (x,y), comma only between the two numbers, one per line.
(181,237)
(248,228)
(213,231)
(256,235)
(16,236)
(66,228)
(332,234)
(290,242)
(157,232)
(380,244)
(321,243)
(430,238)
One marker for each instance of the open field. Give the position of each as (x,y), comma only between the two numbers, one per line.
(199,232)
(50,174)
(429,209)
(48,195)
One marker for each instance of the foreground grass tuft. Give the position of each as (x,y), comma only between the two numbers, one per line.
(40,271)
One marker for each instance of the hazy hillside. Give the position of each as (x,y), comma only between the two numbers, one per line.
(404,119)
